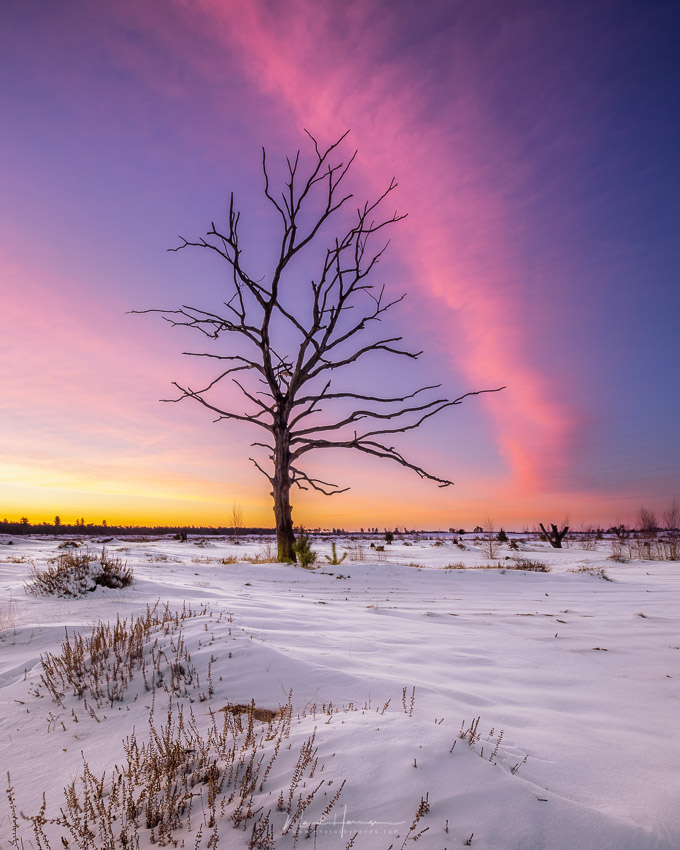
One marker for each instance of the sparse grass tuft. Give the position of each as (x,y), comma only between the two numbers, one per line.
(519,562)
(357,552)
(228,559)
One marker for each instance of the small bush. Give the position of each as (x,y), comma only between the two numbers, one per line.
(70,544)
(76,573)
(303,550)
(333,559)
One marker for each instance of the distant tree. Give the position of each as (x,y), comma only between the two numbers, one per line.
(502,537)
(57,520)
(104,523)
(647,521)
(24,520)
(389,537)
(671,515)
(489,537)
(236,517)
(285,343)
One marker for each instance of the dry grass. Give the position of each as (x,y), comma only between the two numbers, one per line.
(519,562)
(646,549)
(229,559)
(102,664)
(76,573)
(356,552)
(182,777)
(185,786)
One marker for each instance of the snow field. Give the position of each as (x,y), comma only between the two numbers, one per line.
(563,663)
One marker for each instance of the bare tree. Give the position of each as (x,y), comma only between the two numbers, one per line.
(647,521)
(490,542)
(288,345)
(236,516)
(671,515)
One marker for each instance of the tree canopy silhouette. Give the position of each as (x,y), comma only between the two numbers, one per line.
(282,351)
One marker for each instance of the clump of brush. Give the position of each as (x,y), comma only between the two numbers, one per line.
(74,574)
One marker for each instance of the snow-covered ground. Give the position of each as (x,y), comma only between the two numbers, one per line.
(387,660)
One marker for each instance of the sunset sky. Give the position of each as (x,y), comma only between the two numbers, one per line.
(536,146)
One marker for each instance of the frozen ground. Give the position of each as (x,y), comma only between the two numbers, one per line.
(581,674)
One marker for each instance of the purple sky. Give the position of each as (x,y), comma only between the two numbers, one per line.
(536,149)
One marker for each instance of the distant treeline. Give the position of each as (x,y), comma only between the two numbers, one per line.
(95,530)
(81,529)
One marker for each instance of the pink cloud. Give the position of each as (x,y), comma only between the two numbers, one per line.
(459,242)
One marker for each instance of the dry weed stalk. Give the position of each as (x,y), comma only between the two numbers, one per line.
(9,617)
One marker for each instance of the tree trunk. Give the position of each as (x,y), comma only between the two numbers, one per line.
(554,536)
(283,513)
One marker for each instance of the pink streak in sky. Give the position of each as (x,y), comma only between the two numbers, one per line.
(458,241)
